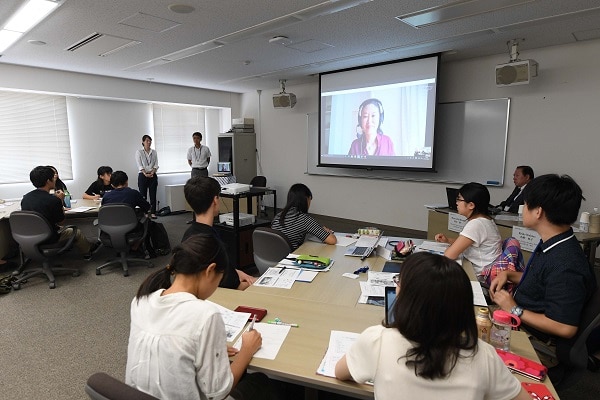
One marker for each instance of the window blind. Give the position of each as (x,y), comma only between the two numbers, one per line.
(34,131)
(173,128)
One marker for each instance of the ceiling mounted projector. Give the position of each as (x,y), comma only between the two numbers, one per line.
(283,99)
(516,72)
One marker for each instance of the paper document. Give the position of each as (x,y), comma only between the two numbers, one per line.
(234,321)
(436,205)
(306,275)
(376,278)
(272,339)
(281,277)
(339,343)
(478,297)
(345,239)
(506,217)
(371,290)
(80,209)
(432,247)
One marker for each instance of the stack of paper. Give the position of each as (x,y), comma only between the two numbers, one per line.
(339,343)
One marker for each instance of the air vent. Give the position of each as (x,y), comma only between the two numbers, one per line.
(84,41)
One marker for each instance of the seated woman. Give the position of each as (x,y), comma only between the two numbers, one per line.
(430,350)
(479,241)
(100,185)
(177,342)
(294,222)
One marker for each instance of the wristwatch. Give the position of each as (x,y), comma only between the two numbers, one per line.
(517,311)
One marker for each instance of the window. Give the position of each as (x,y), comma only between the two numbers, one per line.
(173,128)
(33,131)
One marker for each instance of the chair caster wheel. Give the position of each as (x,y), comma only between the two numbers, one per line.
(76,274)
(16,286)
(52,285)
(98,272)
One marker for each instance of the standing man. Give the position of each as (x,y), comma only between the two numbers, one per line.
(198,156)
(51,207)
(522,176)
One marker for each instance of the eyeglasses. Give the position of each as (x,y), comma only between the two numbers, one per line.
(396,279)
(459,199)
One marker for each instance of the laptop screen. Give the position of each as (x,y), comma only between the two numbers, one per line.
(452,194)
(390,298)
(224,167)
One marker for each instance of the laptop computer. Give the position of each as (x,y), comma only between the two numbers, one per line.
(452,194)
(364,246)
(389,300)
(224,167)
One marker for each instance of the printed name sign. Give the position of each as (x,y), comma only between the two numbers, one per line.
(528,238)
(456,222)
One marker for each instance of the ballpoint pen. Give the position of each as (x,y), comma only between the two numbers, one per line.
(281,269)
(275,322)
(251,327)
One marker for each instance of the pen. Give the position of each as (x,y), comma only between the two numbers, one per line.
(282,323)
(251,327)
(281,269)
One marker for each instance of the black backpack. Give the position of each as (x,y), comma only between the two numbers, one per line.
(158,239)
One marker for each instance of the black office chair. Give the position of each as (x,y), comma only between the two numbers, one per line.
(32,232)
(259,181)
(101,386)
(572,354)
(270,247)
(120,229)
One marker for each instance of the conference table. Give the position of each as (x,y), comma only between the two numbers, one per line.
(329,302)
(80,208)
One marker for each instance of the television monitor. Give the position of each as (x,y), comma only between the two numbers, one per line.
(379,116)
(224,167)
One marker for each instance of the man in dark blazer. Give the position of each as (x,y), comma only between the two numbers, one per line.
(522,176)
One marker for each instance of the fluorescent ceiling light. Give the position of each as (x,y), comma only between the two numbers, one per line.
(24,19)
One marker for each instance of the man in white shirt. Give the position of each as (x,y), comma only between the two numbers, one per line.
(198,156)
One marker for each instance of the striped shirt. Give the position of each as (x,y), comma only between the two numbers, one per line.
(296,225)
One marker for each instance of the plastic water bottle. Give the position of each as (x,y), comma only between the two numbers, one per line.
(67,199)
(502,324)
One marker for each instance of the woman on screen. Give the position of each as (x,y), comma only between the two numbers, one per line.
(371,141)
(431,348)
(295,223)
(479,241)
(177,341)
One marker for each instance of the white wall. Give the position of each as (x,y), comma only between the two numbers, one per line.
(553,127)
(107,131)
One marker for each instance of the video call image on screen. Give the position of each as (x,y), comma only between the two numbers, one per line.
(380,116)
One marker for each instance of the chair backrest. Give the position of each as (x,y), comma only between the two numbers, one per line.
(101,386)
(30,229)
(117,220)
(270,247)
(259,181)
(573,352)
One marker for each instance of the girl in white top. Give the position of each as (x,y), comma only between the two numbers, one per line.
(430,349)
(177,342)
(480,242)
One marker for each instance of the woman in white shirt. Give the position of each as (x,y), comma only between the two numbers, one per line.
(430,350)
(147,163)
(177,342)
(479,241)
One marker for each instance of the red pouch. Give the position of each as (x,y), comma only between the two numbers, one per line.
(537,391)
(523,366)
(259,312)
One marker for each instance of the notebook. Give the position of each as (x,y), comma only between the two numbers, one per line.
(452,194)
(390,298)
(364,246)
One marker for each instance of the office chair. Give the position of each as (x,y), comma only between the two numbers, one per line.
(120,229)
(572,354)
(270,247)
(259,181)
(101,386)
(31,230)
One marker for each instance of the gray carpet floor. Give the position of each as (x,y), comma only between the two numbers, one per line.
(53,340)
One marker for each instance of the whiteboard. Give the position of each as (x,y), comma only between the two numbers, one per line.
(470,146)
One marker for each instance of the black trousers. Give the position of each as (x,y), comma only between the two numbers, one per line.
(199,172)
(146,185)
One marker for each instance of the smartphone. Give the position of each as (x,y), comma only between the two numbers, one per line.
(259,312)
(523,366)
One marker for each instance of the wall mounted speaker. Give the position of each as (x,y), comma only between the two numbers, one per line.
(516,73)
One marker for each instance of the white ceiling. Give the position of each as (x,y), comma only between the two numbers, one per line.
(364,34)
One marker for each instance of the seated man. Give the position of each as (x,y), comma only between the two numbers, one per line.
(202,194)
(122,193)
(558,280)
(51,207)
(522,176)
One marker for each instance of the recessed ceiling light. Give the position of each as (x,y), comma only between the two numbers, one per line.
(181,8)
(36,42)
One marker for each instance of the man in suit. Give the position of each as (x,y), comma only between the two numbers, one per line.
(522,176)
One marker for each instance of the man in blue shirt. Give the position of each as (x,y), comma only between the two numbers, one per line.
(122,193)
